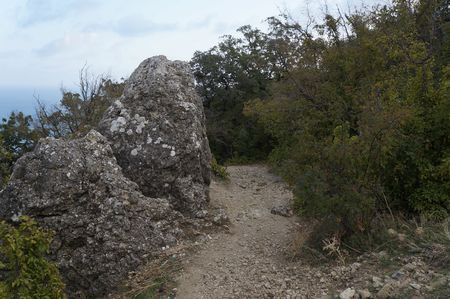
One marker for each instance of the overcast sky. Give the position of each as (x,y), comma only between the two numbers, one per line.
(44,43)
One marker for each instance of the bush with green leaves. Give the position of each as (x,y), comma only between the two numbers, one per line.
(219,170)
(16,138)
(25,271)
(361,122)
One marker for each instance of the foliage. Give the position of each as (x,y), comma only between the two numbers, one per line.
(78,112)
(6,161)
(156,280)
(236,70)
(219,170)
(16,138)
(24,270)
(154,291)
(355,110)
(397,236)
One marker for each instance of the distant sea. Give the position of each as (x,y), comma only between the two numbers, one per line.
(22,98)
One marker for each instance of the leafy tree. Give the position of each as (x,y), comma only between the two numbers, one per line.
(361,120)
(6,160)
(17,137)
(243,68)
(17,133)
(229,74)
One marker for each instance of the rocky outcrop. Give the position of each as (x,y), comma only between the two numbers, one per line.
(157,133)
(112,199)
(104,226)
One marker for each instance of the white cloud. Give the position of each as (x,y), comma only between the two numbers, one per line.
(45,42)
(70,42)
(132,26)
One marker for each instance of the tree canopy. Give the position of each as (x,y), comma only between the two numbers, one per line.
(353,111)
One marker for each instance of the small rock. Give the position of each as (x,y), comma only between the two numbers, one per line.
(415,286)
(220,217)
(401,237)
(284,211)
(410,266)
(419,231)
(377,282)
(397,275)
(354,267)
(347,293)
(334,274)
(391,232)
(387,291)
(365,294)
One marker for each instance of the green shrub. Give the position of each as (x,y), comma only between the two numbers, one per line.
(24,270)
(219,170)
(361,123)
(416,173)
(334,186)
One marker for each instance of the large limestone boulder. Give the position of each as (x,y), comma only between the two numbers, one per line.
(157,132)
(104,226)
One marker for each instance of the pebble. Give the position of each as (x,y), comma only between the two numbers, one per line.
(347,293)
(365,294)
(387,291)
(397,275)
(377,282)
(257,266)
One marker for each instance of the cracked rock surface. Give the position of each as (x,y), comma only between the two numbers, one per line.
(157,132)
(104,226)
(112,197)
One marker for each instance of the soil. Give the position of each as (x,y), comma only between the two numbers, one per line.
(253,256)
(250,261)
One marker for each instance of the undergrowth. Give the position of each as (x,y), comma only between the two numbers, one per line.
(154,280)
(219,170)
(159,282)
(25,271)
(396,235)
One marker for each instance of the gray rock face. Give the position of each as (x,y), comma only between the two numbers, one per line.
(157,132)
(104,226)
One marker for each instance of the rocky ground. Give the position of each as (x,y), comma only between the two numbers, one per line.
(254,260)
(251,256)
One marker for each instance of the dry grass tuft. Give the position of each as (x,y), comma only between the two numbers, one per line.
(156,279)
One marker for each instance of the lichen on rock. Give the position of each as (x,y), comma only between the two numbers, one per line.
(112,199)
(104,226)
(166,152)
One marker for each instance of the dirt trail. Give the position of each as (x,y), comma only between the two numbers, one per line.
(249,262)
(252,261)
